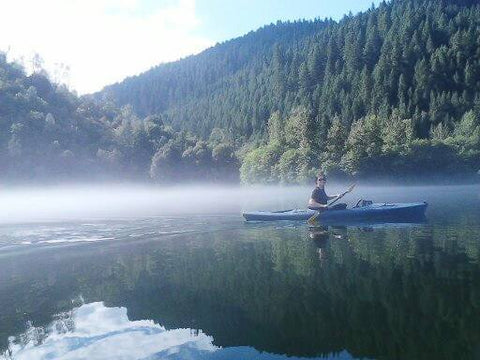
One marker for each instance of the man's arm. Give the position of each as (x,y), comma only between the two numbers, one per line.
(333,197)
(313,203)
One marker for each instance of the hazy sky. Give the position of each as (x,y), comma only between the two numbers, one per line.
(103,41)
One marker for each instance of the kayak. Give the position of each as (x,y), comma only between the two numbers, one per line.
(371,212)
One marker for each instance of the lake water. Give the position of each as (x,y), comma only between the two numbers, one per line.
(143,279)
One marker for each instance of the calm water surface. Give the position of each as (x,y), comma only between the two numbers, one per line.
(213,287)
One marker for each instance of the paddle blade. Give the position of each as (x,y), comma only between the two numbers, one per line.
(313,219)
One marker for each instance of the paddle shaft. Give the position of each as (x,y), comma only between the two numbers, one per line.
(314,217)
(338,198)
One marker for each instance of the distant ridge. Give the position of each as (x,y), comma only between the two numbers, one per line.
(419,56)
(197,80)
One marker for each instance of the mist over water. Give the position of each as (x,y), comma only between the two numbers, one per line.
(137,201)
(112,202)
(81,202)
(153,262)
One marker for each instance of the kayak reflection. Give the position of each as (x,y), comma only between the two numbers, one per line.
(322,234)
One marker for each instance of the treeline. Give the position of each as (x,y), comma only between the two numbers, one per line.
(405,73)
(47,133)
(373,147)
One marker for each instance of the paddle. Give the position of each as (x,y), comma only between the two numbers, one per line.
(311,221)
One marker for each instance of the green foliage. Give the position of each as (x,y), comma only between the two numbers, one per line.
(47,133)
(335,146)
(439,133)
(298,129)
(405,70)
(426,159)
(397,135)
(165,163)
(225,163)
(276,128)
(364,144)
(288,155)
(355,147)
(293,166)
(258,164)
(466,138)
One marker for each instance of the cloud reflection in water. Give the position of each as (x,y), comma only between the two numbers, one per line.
(99,332)
(94,331)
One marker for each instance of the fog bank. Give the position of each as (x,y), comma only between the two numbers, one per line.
(137,201)
(36,204)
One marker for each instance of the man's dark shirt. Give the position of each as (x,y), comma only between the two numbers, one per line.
(319,196)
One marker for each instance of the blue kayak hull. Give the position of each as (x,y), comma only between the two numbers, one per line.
(373,212)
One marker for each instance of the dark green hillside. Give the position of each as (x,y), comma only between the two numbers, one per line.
(49,134)
(213,82)
(45,131)
(392,90)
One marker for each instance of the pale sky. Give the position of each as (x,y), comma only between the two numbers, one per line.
(104,41)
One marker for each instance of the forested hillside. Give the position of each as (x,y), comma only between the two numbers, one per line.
(393,90)
(49,134)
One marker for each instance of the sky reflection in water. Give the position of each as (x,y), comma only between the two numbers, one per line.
(93,331)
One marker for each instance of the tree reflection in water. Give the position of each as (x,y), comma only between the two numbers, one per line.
(389,292)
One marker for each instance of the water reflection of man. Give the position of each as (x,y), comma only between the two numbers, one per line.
(319,235)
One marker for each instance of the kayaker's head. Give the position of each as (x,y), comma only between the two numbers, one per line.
(321,180)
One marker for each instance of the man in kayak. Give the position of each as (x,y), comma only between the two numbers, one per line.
(318,199)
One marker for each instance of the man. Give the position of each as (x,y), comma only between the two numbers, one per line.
(318,199)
